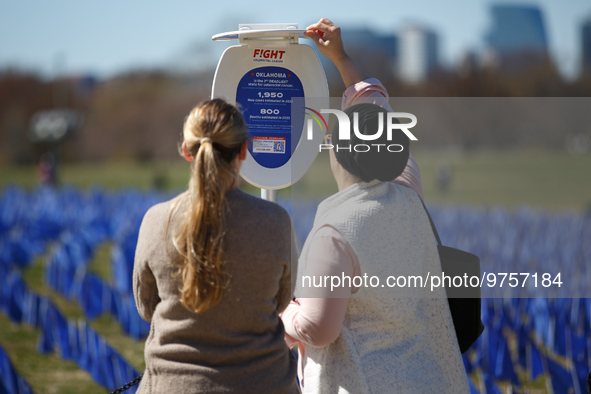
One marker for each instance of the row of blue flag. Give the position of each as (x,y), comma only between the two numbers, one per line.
(75,341)
(546,329)
(66,273)
(525,240)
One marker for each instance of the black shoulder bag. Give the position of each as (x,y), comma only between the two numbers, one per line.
(464,302)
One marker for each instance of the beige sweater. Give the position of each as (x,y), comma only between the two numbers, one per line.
(238,345)
(392,340)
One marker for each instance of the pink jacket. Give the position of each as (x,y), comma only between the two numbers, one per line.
(318,321)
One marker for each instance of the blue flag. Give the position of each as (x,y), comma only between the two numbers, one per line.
(467,364)
(504,367)
(10,381)
(535,365)
(45,343)
(560,377)
(522,341)
(490,384)
(9,377)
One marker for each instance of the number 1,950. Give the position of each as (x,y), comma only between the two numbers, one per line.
(270,94)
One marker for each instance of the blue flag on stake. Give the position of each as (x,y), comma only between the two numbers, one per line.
(522,342)
(490,385)
(467,364)
(45,343)
(534,361)
(504,369)
(10,381)
(577,352)
(560,329)
(7,374)
(560,377)
(61,335)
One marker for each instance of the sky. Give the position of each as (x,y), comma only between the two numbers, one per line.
(107,37)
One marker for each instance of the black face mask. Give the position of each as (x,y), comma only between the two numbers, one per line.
(383,165)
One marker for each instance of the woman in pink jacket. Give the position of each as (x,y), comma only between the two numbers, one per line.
(349,340)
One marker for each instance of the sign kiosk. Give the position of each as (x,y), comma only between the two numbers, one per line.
(261,76)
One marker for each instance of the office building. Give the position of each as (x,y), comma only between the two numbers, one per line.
(517,37)
(417,54)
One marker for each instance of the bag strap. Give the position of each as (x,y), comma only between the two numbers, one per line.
(432,224)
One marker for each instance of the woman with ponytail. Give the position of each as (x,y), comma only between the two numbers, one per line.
(213,271)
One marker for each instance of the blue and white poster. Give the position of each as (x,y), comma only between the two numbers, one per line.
(264,95)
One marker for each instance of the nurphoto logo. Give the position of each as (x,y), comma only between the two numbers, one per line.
(345,129)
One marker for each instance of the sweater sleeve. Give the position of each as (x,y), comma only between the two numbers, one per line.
(372,91)
(145,290)
(411,176)
(318,321)
(287,284)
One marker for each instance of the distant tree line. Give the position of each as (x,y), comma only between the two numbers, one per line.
(139,115)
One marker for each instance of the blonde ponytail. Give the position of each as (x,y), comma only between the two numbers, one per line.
(213,132)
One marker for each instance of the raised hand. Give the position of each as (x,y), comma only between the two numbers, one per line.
(327,37)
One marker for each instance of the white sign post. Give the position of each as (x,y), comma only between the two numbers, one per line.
(262,76)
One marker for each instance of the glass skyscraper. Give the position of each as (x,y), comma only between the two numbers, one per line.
(517,35)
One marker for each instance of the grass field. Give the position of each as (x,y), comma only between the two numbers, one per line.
(542,180)
(539,179)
